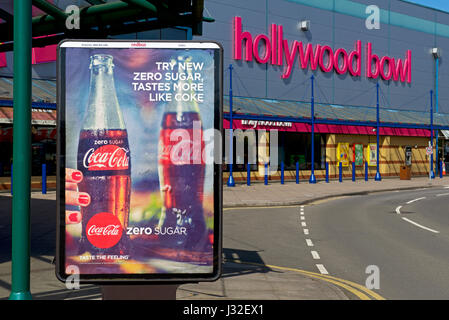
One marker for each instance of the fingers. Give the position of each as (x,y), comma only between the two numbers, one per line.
(75,198)
(72,217)
(72,175)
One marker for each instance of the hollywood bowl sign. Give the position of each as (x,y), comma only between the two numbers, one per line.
(281,52)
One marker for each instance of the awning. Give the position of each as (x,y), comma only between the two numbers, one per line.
(324,128)
(43,117)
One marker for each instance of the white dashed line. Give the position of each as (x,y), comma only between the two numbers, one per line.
(398,209)
(420,226)
(306,231)
(415,200)
(302,217)
(322,269)
(303,224)
(309,242)
(442,194)
(315,255)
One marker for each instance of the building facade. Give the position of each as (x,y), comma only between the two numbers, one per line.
(391,55)
(361,56)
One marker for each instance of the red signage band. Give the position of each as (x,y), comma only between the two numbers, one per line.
(276,50)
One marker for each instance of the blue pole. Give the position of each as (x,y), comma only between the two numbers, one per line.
(340,172)
(44,178)
(248,174)
(282,172)
(440,169)
(436,108)
(353,171)
(297,172)
(231,182)
(312,116)
(377,177)
(327,172)
(366,171)
(265,182)
(432,174)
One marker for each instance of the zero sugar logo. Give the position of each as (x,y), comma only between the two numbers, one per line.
(276,50)
(104,230)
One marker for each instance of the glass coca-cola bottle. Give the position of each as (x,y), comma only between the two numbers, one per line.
(182,168)
(104,159)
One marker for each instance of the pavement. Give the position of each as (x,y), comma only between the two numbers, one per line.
(240,280)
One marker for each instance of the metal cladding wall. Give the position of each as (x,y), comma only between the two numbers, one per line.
(338,24)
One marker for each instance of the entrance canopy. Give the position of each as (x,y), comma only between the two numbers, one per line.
(99,19)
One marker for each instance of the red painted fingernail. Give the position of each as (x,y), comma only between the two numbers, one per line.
(77,176)
(73,217)
(83,199)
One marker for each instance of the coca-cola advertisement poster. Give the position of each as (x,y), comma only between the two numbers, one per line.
(139,193)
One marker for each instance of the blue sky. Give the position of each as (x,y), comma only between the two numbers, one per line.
(437,4)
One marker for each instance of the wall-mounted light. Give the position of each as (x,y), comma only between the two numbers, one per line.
(436,52)
(304,25)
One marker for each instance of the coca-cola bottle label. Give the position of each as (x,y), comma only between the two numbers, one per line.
(103,151)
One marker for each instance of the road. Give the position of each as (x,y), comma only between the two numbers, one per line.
(403,235)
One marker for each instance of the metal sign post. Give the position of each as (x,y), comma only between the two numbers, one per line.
(20,259)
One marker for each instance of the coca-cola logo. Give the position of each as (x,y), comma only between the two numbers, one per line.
(104,230)
(108,157)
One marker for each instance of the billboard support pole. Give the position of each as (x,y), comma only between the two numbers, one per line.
(20,258)
(231,182)
(312,178)
(377,177)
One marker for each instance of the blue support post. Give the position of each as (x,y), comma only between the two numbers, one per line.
(44,178)
(432,174)
(282,172)
(340,172)
(231,182)
(440,169)
(436,108)
(353,171)
(377,177)
(312,145)
(297,172)
(265,180)
(366,170)
(327,172)
(248,174)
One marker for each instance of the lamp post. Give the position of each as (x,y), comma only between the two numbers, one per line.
(436,52)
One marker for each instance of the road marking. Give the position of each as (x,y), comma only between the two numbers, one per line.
(315,255)
(309,242)
(415,200)
(322,269)
(306,231)
(420,226)
(303,224)
(398,209)
(302,213)
(442,194)
(358,290)
(302,217)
